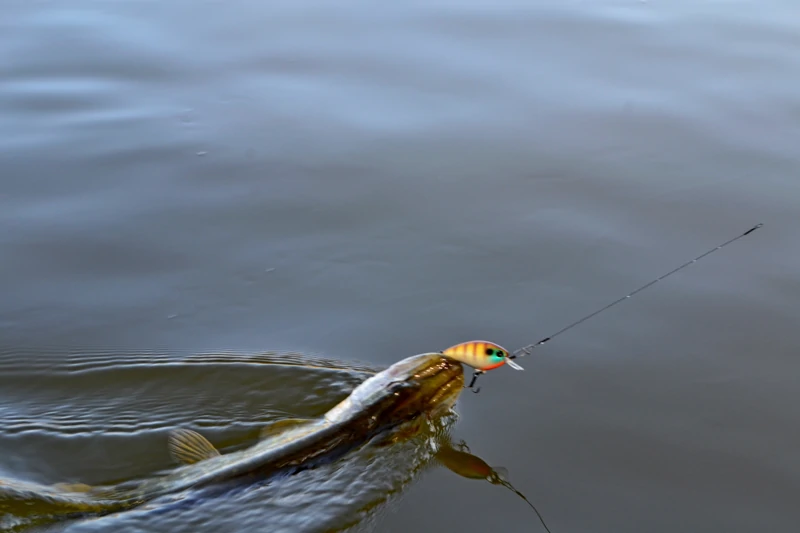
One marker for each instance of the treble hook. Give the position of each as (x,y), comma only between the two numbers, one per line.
(471,385)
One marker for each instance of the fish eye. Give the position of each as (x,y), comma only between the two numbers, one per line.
(500,353)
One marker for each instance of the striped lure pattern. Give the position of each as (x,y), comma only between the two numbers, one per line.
(481,355)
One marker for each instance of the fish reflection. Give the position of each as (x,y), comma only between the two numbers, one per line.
(459,460)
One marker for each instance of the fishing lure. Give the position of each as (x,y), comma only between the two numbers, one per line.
(482,356)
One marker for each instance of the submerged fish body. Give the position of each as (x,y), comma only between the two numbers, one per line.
(44,499)
(424,384)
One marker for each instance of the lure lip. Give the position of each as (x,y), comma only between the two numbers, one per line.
(513,364)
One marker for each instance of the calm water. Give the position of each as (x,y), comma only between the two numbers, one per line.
(364,183)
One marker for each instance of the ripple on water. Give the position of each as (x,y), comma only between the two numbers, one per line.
(350,494)
(102,414)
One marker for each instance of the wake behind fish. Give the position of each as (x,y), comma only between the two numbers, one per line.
(107,418)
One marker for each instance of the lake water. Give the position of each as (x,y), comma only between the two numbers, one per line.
(363,182)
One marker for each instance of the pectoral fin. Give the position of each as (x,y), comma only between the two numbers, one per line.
(273,428)
(189,447)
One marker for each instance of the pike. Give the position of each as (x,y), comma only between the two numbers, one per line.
(427,384)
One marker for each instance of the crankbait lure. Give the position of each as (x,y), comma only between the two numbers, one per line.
(482,356)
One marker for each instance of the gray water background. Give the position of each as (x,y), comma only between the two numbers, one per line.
(368,181)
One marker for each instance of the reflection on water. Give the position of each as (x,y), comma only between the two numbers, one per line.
(461,461)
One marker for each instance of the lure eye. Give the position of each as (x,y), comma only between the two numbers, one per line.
(495,352)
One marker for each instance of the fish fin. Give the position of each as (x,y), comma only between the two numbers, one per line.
(189,447)
(72,487)
(273,428)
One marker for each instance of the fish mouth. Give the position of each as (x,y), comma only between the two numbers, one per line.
(424,384)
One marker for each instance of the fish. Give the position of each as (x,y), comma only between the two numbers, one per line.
(41,502)
(481,355)
(424,385)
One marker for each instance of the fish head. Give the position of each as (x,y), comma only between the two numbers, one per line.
(423,384)
(427,383)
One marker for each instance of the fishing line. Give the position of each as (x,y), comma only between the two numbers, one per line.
(508,485)
(526,350)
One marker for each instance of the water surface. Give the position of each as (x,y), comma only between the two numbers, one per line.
(366,182)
